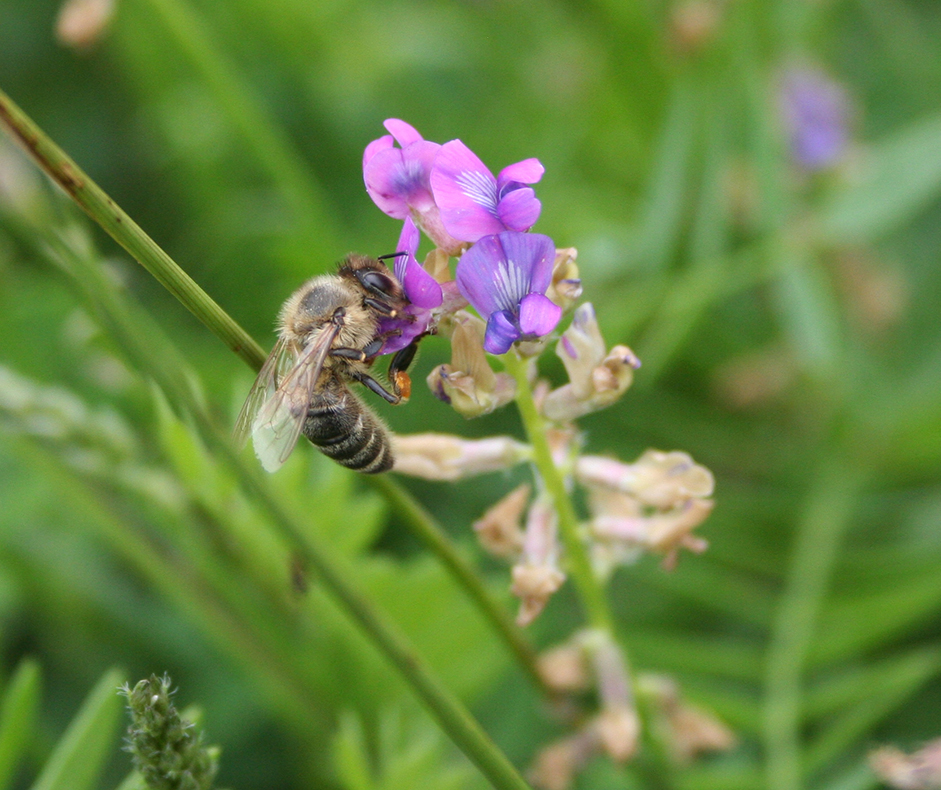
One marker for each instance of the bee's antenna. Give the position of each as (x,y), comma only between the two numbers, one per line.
(392,255)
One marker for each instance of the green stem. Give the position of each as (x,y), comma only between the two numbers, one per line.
(579,564)
(422,524)
(819,536)
(125,231)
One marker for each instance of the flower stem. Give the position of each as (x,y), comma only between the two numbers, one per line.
(579,564)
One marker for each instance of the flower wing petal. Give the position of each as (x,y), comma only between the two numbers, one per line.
(519,209)
(397,179)
(538,315)
(375,147)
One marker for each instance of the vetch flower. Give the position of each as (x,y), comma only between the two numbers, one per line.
(441,456)
(420,287)
(537,575)
(816,111)
(398,179)
(473,203)
(505,277)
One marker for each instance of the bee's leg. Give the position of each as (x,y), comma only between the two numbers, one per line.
(370,383)
(349,353)
(398,369)
(381,307)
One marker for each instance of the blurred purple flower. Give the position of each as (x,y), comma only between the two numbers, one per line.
(505,277)
(473,203)
(816,112)
(397,179)
(422,291)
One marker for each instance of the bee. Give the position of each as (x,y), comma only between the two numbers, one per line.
(329,335)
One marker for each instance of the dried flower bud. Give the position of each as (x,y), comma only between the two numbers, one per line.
(557,764)
(918,771)
(441,456)
(499,529)
(537,576)
(82,23)
(618,730)
(565,667)
(659,479)
(566,287)
(596,378)
(468,383)
(689,729)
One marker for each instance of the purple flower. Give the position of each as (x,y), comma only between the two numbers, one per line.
(422,291)
(398,179)
(816,111)
(505,277)
(473,203)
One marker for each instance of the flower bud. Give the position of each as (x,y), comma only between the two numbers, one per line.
(658,479)
(499,529)
(468,383)
(441,456)
(565,667)
(618,730)
(557,764)
(918,771)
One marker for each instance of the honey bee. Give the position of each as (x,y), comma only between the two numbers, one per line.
(329,335)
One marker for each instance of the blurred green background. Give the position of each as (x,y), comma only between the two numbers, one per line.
(787,317)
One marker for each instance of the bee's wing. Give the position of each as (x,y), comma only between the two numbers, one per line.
(280,419)
(276,366)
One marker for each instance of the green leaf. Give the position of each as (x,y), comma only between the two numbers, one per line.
(79,757)
(18,713)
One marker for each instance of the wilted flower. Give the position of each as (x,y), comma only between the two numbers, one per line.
(468,383)
(557,764)
(918,771)
(566,286)
(440,456)
(473,203)
(498,530)
(82,23)
(658,479)
(398,179)
(689,730)
(537,575)
(816,111)
(565,667)
(505,278)
(596,378)
(422,290)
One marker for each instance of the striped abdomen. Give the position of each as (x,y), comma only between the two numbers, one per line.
(344,429)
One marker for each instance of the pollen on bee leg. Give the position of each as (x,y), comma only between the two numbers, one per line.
(403,384)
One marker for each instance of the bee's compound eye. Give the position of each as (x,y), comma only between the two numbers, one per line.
(377,282)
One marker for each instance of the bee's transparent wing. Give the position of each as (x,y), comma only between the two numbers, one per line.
(280,419)
(276,367)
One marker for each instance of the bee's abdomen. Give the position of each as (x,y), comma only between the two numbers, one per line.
(345,430)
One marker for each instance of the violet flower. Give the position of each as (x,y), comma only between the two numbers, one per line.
(398,179)
(473,203)
(816,111)
(421,289)
(505,277)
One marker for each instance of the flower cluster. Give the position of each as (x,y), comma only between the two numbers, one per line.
(447,192)
(519,286)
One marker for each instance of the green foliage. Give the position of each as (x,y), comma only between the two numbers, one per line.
(787,323)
